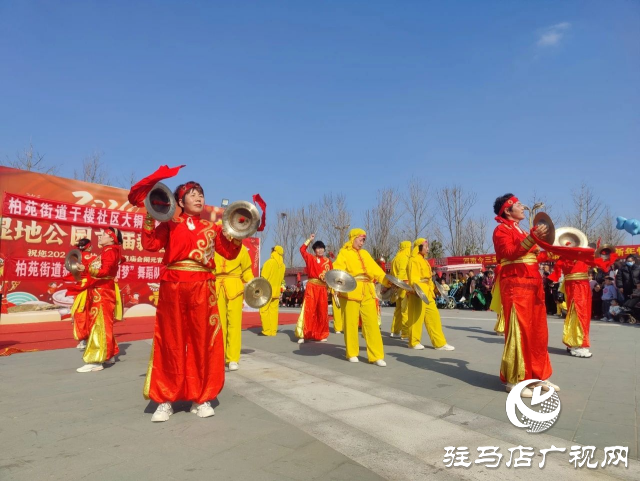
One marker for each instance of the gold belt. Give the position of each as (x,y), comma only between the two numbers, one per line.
(101,278)
(526,259)
(579,276)
(189,266)
(317,282)
(362,278)
(426,280)
(227,276)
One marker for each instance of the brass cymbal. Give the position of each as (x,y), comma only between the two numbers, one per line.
(72,261)
(257,292)
(386,295)
(421,294)
(340,281)
(398,283)
(542,218)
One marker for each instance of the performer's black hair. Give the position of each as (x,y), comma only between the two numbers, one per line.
(318,245)
(497,205)
(194,186)
(117,233)
(83,244)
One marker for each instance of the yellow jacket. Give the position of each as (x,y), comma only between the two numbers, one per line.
(231,275)
(273,271)
(401,261)
(360,265)
(419,271)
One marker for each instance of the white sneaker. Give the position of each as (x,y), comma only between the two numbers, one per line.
(203,410)
(82,345)
(417,347)
(162,413)
(233,366)
(300,341)
(338,332)
(323,340)
(90,368)
(403,338)
(545,385)
(446,347)
(110,361)
(581,352)
(394,335)
(354,359)
(526,392)
(380,362)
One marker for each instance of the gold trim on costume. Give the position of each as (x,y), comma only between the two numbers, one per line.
(317,282)
(362,278)
(300,324)
(572,333)
(96,351)
(525,259)
(579,276)
(189,265)
(147,381)
(512,366)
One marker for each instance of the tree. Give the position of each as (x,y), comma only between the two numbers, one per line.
(307,220)
(32,161)
(416,210)
(455,205)
(587,210)
(436,249)
(606,230)
(538,204)
(286,235)
(93,170)
(381,223)
(335,221)
(475,236)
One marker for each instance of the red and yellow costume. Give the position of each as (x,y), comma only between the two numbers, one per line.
(79,312)
(399,265)
(187,357)
(272,271)
(521,297)
(231,276)
(313,322)
(103,304)
(578,292)
(360,304)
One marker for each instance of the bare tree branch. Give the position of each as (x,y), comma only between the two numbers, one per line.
(455,205)
(587,210)
(475,236)
(606,230)
(93,170)
(32,161)
(416,209)
(335,221)
(381,223)
(286,235)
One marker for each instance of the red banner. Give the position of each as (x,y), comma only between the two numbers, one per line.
(44,216)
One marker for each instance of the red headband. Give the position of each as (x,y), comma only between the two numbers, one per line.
(507,204)
(113,234)
(185,188)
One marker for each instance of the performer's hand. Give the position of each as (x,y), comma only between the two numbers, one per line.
(541,230)
(81,268)
(312,236)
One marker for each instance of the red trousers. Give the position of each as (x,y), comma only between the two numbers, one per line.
(524,297)
(316,312)
(101,344)
(187,357)
(579,294)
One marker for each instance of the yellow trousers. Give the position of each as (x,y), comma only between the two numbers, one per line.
(420,313)
(338,314)
(231,320)
(368,312)
(269,317)
(401,317)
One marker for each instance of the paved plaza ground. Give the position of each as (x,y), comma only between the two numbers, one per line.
(302,412)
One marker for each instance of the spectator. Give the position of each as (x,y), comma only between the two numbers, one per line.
(633,301)
(549,300)
(609,293)
(596,302)
(592,281)
(615,310)
(628,276)
(487,285)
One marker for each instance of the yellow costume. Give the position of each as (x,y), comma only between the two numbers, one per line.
(419,272)
(399,270)
(273,271)
(231,275)
(338,321)
(361,302)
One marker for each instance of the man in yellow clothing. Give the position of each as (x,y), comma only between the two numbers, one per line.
(361,302)
(419,272)
(399,327)
(231,276)
(338,324)
(272,271)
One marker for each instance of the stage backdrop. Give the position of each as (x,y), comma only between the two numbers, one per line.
(44,216)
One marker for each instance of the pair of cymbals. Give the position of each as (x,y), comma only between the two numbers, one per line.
(257,292)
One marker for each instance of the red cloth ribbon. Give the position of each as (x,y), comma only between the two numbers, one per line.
(263,205)
(140,190)
(585,254)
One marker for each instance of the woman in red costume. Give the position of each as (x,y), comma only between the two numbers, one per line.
(187,357)
(521,295)
(102,303)
(313,323)
(79,312)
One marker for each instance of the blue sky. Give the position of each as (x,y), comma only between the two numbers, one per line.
(296,99)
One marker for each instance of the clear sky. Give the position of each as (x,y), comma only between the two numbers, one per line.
(294,99)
